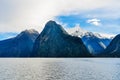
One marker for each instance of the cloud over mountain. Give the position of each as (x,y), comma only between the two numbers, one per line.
(17,15)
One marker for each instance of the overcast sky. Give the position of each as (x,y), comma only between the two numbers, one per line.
(101,16)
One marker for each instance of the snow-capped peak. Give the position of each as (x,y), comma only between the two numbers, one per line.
(78,31)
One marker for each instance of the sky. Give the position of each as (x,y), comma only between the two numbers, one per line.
(7,35)
(102,16)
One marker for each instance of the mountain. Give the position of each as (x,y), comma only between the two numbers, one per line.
(113,49)
(54,41)
(19,46)
(94,42)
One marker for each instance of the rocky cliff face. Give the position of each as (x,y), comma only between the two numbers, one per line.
(113,50)
(54,41)
(19,46)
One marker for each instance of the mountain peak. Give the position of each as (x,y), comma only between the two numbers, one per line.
(28,33)
(54,41)
(52,28)
(19,46)
(51,22)
(76,29)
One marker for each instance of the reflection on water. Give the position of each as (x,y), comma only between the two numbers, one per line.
(60,69)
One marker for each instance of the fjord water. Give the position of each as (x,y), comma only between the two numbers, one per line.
(60,69)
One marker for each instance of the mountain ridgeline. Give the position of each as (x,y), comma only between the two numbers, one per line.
(54,41)
(19,46)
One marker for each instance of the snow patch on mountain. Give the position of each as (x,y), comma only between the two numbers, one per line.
(95,42)
(78,31)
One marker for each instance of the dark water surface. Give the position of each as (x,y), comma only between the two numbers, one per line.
(60,69)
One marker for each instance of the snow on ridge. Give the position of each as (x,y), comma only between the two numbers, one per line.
(78,31)
(75,29)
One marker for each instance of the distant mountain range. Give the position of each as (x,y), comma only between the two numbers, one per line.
(94,42)
(54,41)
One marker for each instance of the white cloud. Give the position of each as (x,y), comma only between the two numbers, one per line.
(94,21)
(17,15)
